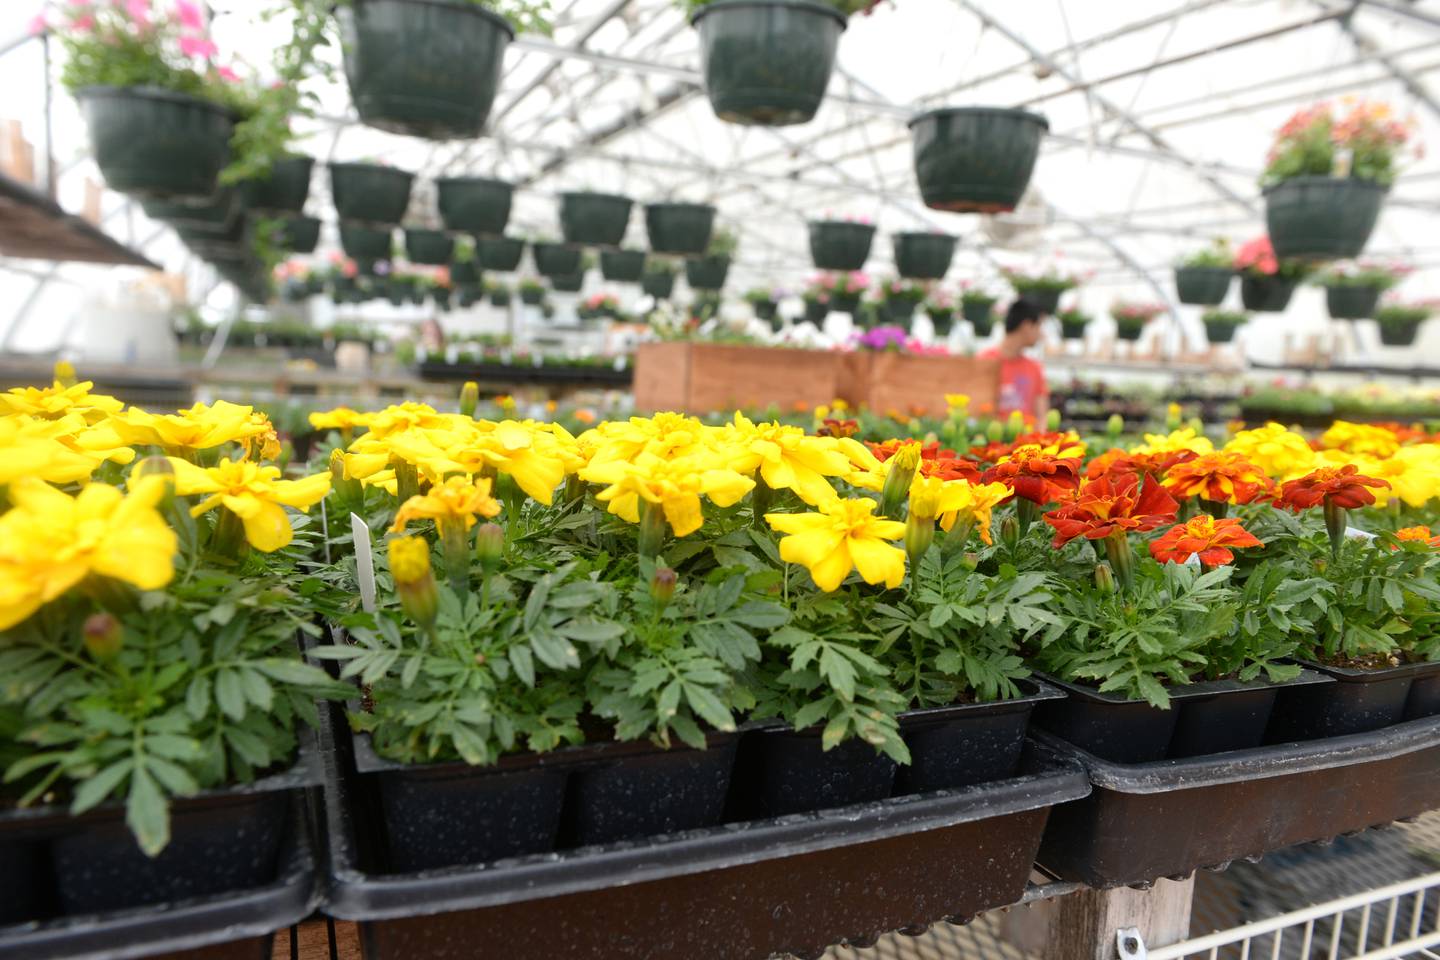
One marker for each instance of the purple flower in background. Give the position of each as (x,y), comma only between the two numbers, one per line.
(883,338)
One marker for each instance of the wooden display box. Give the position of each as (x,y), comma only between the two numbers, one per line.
(710,377)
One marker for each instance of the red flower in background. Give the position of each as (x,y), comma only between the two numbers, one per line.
(1342,487)
(1203,536)
(1117,503)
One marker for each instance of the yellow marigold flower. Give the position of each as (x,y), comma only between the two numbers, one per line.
(536,456)
(1183,439)
(674,485)
(957,401)
(455,500)
(1274,449)
(199,428)
(32,448)
(340,418)
(1417,479)
(401,417)
(252,492)
(786,458)
(966,502)
(50,541)
(665,435)
(1360,438)
(58,400)
(845,535)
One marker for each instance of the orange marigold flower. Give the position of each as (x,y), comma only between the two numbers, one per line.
(1417,535)
(950,468)
(1158,464)
(1203,536)
(1113,459)
(1061,443)
(992,452)
(928,451)
(1342,487)
(838,428)
(1035,475)
(1222,477)
(1115,503)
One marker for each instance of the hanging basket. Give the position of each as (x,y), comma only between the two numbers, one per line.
(365,243)
(1220,332)
(767,62)
(531,296)
(1266,294)
(679,228)
(1129,330)
(840,244)
(1400,334)
(219,212)
(154,143)
(1322,218)
(501,254)
(815,311)
(924,256)
(465,273)
(429,247)
(658,285)
(284,190)
(1073,329)
(981,316)
(976,159)
(622,266)
(707,273)
(300,234)
(941,321)
(556,260)
(764,309)
(1202,286)
(1046,299)
(1352,302)
(474,204)
(369,192)
(569,283)
(426,68)
(597,219)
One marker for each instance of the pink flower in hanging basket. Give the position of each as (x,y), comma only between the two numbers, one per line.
(138,11)
(190,16)
(198,47)
(1257,256)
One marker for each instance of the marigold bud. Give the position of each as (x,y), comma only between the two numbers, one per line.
(1115,425)
(994,431)
(1105,579)
(1052,420)
(919,535)
(897,481)
(489,546)
(414,581)
(103,636)
(662,585)
(1010,531)
(469,398)
(65,373)
(1014,425)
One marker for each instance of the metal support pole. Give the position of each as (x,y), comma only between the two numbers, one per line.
(48,164)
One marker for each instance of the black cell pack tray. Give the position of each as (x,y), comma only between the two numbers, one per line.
(231,926)
(792,884)
(1166,818)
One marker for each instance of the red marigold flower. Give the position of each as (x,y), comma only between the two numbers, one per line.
(1115,503)
(1342,487)
(1204,536)
(1035,475)
(930,451)
(1222,477)
(1417,535)
(1115,459)
(950,469)
(1158,464)
(992,452)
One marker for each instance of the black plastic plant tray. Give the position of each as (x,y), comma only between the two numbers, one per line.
(1358,701)
(527,373)
(1214,716)
(1167,818)
(792,884)
(233,926)
(442,814)
(222,839)
(1424,698)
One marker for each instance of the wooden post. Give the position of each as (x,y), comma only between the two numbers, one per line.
(1082,926)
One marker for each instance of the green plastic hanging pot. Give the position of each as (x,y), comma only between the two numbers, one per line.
(680,228)
(532,297)
(845,303)
(900,310)
(500,298)
(1220,332)
(981,316)
(365,243)
(149,142)
(299,234)
(429,247)
(568,283)
(464,272)
(1322,218)
(707,273)
(816,311)
(941,321)
(924,256)
(840,244)
(426,68)
(219,211)
(1266,294)
(658,285)
(284,190)
(1045,298)
(1073,329)
(1352,302)
(501,254)
(596,219)
(976,159)
(441,296)
(767,62)
(1400,333)
(556,260)
(1202,286)
(622,266)
(1129,330)
(474,204)
(369,192)
(764,309)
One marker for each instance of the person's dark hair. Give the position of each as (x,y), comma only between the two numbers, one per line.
(1021,312)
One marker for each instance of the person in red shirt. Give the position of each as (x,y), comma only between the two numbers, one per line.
(1022,380)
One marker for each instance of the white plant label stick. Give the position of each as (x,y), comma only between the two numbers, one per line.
(364,562)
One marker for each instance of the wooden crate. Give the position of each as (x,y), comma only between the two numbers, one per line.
(916,385)
(709,377)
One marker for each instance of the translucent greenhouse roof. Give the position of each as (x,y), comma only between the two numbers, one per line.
(1160,116)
